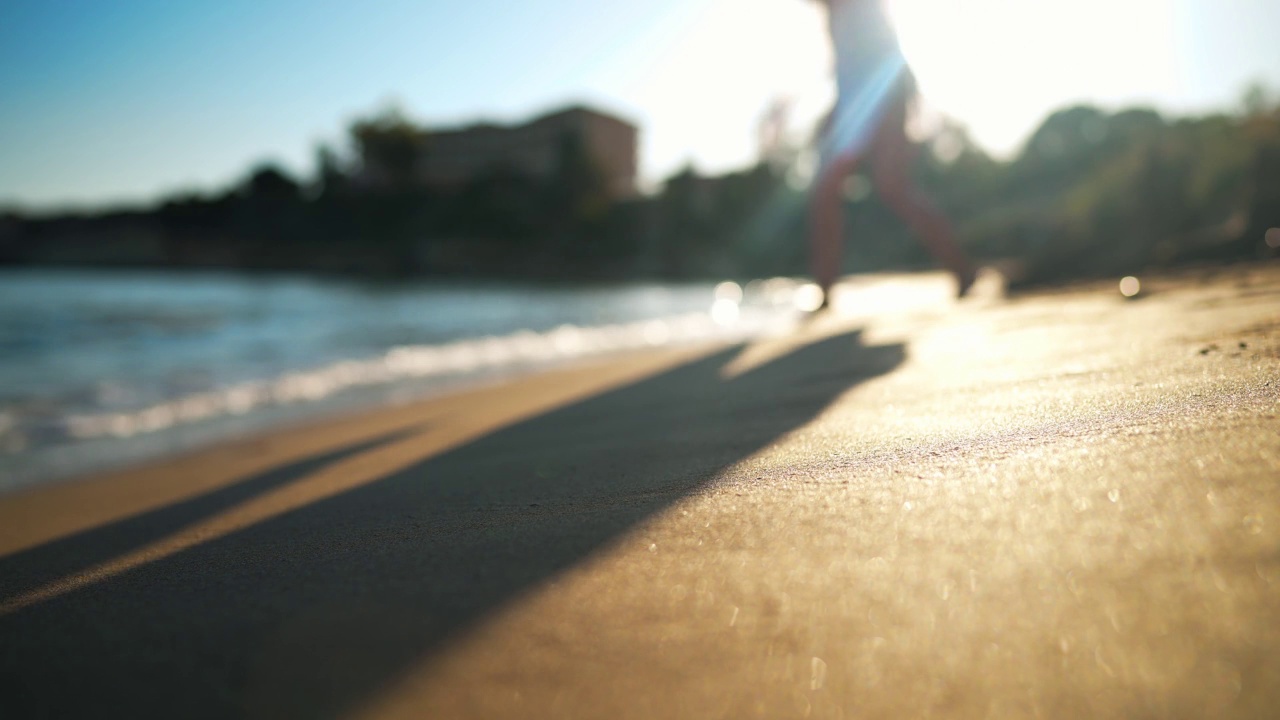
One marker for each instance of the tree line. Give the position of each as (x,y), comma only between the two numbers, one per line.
(1090,193)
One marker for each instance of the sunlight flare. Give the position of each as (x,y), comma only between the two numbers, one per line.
(996,65)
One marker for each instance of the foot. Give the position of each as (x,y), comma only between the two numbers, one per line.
(964,280)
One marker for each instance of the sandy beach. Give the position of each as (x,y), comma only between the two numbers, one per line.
(1061,504)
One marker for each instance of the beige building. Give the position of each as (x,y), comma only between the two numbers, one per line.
(454,156)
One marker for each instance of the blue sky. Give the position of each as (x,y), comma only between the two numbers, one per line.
(125,100)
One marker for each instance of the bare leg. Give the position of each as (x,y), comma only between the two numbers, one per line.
(892,154)
(826,223)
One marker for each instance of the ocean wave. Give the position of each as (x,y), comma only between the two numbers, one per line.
(415,362)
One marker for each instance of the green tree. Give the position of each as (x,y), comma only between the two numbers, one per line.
(390,149)
(331,179)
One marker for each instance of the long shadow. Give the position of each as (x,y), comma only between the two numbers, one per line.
(25,571)
(312,613)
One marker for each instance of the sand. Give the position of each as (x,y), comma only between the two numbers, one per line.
(1063,504)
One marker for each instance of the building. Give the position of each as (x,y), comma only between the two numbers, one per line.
(452,157)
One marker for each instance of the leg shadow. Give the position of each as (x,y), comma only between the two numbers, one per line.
(27,570)
(312,613)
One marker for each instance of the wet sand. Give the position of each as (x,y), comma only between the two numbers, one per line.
(1063,504)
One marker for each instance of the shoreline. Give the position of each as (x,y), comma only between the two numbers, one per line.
(219,364)
(158,449)
(1060,505)
(254,451)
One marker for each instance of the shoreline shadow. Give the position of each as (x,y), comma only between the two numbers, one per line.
(313,612)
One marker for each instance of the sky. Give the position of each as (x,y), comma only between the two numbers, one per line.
(126,101)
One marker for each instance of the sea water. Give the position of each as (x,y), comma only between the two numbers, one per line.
(100,369)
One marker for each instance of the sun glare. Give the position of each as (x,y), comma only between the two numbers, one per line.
(1000,65)
(707,87)
(997,66)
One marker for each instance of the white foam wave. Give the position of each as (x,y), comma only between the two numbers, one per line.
(460,358)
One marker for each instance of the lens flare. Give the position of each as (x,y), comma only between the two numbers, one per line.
(724,311)
(807,298)
(1272,238)
(1130,287)
(729,290)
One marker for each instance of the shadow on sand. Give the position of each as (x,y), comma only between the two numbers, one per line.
(311,613)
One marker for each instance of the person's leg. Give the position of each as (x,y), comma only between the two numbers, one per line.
(826,223)
(891,156)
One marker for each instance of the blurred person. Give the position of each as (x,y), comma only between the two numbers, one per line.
(875,89)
